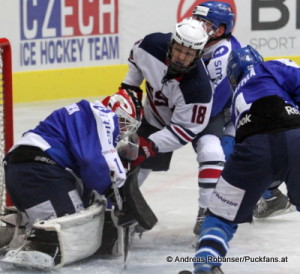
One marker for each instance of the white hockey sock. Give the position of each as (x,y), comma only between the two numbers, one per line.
(204,196)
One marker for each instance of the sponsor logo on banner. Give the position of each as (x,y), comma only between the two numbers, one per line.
(281,20)
(68,31)
(186,7)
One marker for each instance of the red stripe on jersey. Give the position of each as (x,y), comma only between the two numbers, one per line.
(182,134)
(210,173)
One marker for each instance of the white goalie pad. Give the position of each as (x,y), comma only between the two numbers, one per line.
(78,236)
(29,259)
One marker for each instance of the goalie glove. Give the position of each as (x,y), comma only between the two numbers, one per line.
(128,148)
(146,150)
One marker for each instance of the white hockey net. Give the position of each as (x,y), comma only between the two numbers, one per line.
(6,116)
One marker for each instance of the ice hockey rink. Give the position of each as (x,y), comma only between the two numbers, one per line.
(173,197)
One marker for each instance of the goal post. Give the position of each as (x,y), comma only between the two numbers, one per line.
(6,114)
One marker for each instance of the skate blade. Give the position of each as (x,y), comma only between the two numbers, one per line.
(290,209)
(29,259)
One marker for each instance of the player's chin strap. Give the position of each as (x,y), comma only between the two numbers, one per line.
(60,241)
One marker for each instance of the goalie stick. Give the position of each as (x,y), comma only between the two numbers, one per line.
(135,207)
(126,245)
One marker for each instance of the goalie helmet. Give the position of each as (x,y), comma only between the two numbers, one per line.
(240,62)
(129,110)
(191,34)
(216,13)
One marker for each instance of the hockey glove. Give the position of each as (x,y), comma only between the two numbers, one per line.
(133,89)
(147,149)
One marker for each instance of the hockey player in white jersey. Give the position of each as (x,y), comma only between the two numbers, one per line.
(59,173)
(265,112)
(179,93)
(215,143)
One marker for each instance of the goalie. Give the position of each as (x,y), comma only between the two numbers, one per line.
(61,172)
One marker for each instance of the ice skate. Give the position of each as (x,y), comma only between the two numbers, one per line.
(199,220)
(278,204)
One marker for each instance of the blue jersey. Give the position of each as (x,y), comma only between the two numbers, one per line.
(278,77)
(81,137)
(267,81)
(216,58)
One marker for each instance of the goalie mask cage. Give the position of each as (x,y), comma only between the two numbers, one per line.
(6,114)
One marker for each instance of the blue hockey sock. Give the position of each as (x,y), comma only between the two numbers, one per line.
(213,242)
(227,143)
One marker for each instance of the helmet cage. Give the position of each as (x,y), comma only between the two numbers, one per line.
(177,69)
(128,110)
(210,27)
(192,34)
(127,124)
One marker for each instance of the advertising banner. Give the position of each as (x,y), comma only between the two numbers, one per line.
(49,34)
(83,45)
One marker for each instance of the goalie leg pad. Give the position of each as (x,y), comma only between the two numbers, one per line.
(66,239)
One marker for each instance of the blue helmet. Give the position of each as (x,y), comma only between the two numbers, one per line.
(240,61)
(217,13)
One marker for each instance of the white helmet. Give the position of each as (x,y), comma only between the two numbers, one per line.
(191,33)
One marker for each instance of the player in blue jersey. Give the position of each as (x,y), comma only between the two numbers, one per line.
(179,93)
(265,112)
(215,143)
(66,166)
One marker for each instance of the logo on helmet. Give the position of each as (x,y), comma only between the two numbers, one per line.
(126,106)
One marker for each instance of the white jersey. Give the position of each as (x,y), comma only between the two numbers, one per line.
(181,107)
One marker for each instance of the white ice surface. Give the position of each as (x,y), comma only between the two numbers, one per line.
(173,197)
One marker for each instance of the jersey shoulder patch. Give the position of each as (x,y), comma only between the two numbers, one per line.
(220,51)
(196,86)
(157,44)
